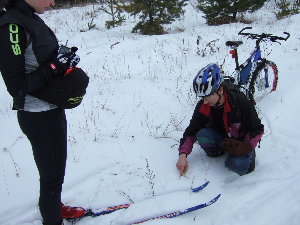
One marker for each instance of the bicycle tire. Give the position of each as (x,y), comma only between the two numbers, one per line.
(263,81)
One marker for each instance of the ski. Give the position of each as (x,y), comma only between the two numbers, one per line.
(110,209)
(179,212)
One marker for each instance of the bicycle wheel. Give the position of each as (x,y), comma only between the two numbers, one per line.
(263,81)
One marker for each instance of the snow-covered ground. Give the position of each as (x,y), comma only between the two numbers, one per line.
(123,138)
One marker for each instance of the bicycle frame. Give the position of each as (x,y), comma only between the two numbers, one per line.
(257,76)
(243,71)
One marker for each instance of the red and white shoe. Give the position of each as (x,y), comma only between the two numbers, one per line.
(68,212)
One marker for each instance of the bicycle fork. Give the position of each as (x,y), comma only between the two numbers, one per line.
(266,76)
(262,80)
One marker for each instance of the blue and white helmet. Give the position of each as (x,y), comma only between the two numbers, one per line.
(207,80)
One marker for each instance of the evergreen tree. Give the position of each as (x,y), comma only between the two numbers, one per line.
(69,3)
(226,11)
(287,8)
(154,13)
(112,8)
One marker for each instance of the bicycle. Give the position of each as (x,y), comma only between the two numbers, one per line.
(257,76)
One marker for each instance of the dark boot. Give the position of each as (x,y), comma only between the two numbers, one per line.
(215,154)
(252,163)
(59,223)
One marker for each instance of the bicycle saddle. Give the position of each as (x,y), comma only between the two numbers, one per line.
(233,43)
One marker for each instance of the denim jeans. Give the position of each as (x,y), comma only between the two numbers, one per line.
(209,139)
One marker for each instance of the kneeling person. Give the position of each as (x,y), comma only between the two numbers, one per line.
(224,120)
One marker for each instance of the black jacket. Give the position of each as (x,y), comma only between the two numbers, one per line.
(27,45)
(238,119)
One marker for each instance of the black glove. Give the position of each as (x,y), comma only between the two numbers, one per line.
(235,147)
(65,59)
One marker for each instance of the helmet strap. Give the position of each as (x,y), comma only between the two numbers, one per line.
(217,105)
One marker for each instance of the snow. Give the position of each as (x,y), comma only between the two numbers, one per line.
(123,138)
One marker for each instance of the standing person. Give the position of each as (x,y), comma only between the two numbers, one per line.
(29,60)
(224,120)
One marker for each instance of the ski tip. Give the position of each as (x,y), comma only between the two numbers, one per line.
(211,201)
(200,187)
(215,198)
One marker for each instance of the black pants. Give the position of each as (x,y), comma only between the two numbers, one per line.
(47,133)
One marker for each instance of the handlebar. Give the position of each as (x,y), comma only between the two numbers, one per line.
(262,36)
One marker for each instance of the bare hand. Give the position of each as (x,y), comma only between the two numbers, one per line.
(182,164)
